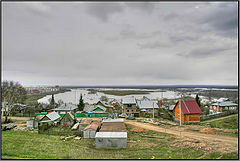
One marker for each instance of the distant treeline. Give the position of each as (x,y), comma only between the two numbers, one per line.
(159,86)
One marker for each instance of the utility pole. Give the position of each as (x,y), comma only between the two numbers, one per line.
(153,110)
(180,110)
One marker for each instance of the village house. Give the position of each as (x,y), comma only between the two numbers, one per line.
(129,106)
(108,107)
(147,106)
(95,109)
(64,108)
(68,120)
(190,112)
(223,106)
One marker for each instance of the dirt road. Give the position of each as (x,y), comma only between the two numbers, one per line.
(219,143)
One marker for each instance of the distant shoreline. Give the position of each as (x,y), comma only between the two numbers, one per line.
(159,86)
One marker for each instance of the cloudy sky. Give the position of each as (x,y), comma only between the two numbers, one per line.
(120,43)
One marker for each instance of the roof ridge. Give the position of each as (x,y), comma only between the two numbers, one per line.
(186,106)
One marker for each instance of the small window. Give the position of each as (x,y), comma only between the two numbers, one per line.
(127,110)
(132,110)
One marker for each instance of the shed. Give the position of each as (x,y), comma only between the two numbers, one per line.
(68,120)
(190,112)
(113,120)
(53,116)
(90,130)
(111,139)
(32,123)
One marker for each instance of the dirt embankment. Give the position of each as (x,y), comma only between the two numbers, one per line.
(222,144)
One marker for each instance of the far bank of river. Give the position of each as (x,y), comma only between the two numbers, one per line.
(32,99)
(93,97)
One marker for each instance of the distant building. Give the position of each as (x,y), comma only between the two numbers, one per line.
(223,106)
(159,103)
(190,111)
(171,107)
(147,106)
(108,107)
(64,108)
(129,106)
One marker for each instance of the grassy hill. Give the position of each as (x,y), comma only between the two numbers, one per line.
(229,122)
(28,145)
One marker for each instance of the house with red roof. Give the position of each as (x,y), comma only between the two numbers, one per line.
(190,111)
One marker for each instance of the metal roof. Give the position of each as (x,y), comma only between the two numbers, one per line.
(53,116)
(189,107)
(111,135)
(113,120)
(226,103)
(222,99)
(66,107)
(93,126)
(90,108)
(129,100)
(171,107)
(147,104)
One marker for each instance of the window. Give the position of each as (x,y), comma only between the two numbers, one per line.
(127,110)
(132,110)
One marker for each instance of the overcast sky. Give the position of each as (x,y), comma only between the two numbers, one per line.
(120,43)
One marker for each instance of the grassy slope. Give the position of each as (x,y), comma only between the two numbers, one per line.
(227,123)
(20,144)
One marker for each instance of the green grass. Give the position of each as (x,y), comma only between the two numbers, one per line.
(32,98)
(227,123)
(21,144)
(215,155)
(26,145)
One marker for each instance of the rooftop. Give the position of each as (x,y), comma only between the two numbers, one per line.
(129,100)
(111,135)
(66,107)
(226,103)
(147,104)
(189,107)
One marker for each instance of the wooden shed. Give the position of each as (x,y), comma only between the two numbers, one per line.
(68,120)
(90,130)
(190,112)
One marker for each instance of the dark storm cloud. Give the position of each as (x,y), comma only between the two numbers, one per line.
(103,10)
(223,19)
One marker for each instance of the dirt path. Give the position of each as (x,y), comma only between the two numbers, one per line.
(220,143)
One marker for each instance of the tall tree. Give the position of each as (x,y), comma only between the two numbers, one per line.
(198,100)
(52,102)
(12,93)
(81,104)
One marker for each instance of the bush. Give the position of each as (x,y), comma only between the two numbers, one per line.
(8,121)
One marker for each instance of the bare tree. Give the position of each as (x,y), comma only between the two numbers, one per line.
(12,92)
